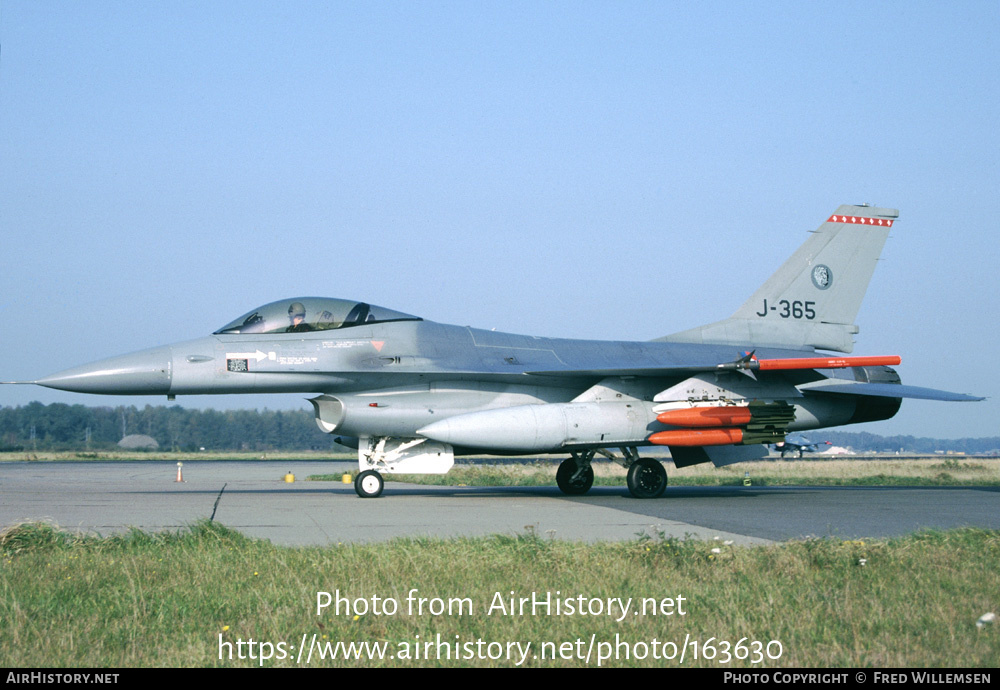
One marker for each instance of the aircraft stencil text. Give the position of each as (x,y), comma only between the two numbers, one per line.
(793,310)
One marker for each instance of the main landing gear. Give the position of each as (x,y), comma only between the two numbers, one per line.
(575,476)
(646,476)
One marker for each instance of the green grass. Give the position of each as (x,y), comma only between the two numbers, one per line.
(165,599)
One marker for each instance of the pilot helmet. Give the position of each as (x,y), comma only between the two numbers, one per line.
(296,309)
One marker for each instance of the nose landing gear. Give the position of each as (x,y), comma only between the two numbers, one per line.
(369,484)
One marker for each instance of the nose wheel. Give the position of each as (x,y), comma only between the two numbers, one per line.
(369,484)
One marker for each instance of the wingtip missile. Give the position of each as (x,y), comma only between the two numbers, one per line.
(749,363)
(827,363)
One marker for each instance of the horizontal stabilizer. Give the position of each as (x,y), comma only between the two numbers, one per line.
(885,390)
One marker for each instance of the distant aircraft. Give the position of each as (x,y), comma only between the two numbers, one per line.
(411,394)
(798,444)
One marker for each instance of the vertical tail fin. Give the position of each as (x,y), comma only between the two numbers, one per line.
(814,298)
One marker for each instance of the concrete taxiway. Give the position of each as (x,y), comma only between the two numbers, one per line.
(108,497)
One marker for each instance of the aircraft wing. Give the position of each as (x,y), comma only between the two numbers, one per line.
(750,365)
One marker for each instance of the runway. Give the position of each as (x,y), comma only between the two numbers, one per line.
(109,497)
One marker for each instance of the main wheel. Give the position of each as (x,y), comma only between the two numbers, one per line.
(369,484)
(647,478)
(570,485)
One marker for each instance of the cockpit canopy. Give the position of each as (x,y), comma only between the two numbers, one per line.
(304,314)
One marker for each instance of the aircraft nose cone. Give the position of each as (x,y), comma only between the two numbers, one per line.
(145,372)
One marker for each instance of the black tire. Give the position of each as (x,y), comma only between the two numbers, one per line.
(647,478)
(564,478)
(369,484)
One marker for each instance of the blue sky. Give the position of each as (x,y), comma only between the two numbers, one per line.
(576,169)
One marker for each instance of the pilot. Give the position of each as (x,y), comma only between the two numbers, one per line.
(297,315)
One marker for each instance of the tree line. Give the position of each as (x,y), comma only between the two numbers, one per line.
(77,427)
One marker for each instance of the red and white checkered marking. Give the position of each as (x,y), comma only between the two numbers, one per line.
(860,220)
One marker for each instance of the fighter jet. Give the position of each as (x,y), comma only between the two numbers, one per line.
(411,394)
(798,444)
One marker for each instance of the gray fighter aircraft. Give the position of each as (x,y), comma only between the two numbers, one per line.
(797,443)
(411,394)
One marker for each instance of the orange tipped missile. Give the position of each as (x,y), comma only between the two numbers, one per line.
(697,437)
(825,363)
(706,416)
